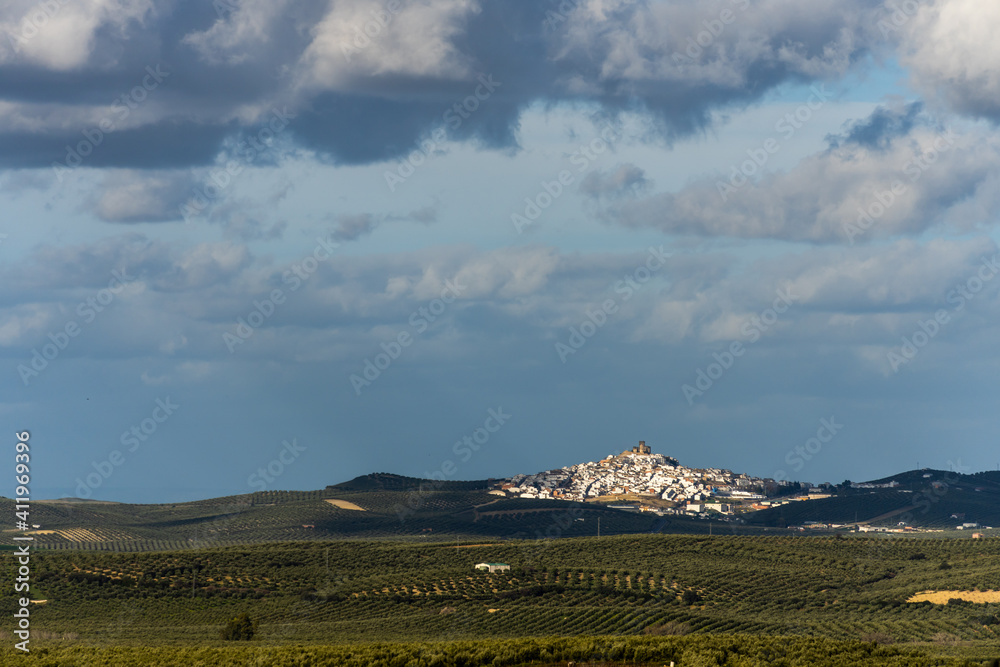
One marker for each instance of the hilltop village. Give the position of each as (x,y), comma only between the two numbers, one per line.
(654,481)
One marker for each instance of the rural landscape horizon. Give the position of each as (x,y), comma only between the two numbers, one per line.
(468,333)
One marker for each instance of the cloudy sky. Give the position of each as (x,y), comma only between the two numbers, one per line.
(471,238)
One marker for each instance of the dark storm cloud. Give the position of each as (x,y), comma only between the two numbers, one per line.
(879,129)
(167,144)
(230,68)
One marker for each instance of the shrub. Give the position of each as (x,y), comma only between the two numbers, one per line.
(239,628)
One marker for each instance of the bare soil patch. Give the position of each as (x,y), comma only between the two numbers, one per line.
(345,505)
(942,597)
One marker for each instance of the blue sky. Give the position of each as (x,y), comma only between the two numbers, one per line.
(703,278)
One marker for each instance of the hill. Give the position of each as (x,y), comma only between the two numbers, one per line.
(930,499)
(384,481)
(388,506)
(376,506)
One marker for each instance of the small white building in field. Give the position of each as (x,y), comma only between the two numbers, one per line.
(493,567)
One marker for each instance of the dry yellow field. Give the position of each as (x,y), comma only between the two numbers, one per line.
(344,505)
(942,597)
(79,535)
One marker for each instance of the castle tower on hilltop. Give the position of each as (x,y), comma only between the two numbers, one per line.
(642,448)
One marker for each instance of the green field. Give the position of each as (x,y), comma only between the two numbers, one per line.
(393,583)
(657,593)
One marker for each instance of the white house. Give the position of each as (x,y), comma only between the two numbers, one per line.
(493,567)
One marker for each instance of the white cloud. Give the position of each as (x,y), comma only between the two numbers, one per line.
(351,43)
(138,196)
(60,34)
(717,42)
(23,321)
(951,48)
(233,38)
(825,197)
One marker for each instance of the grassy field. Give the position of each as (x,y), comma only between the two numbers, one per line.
(849,591)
